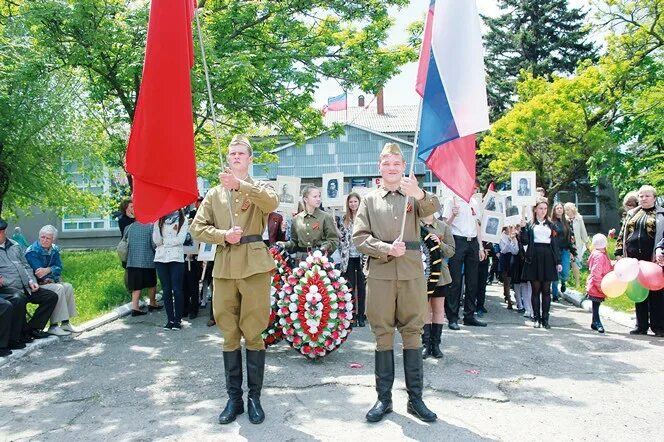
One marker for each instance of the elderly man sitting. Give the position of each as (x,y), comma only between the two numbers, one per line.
(18,286)
(44,258)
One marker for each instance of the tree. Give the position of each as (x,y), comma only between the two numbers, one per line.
(266,58)
(542,37)
(40,124)
(607,119)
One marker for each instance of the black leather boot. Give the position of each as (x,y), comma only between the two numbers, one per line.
(412,364)
(255,371)
(426,340)
(233,371)
(384,379)
(434,346)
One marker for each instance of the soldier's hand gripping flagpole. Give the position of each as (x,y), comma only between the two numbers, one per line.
(411,174)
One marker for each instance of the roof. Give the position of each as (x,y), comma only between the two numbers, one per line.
(401,118)
(355,125)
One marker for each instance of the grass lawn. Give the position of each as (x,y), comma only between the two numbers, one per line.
(621,303)
(98,280)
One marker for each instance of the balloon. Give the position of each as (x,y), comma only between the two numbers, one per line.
(636,292)
(612,287)
(627,269)
(651,276)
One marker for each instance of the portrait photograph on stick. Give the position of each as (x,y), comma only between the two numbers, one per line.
(492,224)
(333,190)
(493,202)
(524,188)
(288,190)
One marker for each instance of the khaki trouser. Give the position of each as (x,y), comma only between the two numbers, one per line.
(242,308)
(400,304)
(66,306)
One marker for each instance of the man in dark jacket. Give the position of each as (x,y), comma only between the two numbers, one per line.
(18,285)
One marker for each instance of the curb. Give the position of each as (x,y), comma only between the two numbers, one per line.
(578,299)
(115,314)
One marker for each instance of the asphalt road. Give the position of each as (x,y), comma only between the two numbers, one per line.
(131,380)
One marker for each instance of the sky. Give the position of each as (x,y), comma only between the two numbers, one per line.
(401,88)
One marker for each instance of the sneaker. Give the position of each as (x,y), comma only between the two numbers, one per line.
(168,326)
(57,331)
(70,328)
(177,326)
(521,310)
(38,334)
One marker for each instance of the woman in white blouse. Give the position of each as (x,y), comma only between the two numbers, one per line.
(169,234)
(542,262)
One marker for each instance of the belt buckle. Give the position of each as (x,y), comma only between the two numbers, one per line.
(468,239)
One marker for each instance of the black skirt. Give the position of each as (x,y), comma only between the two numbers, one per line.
(139,279)
(542,266)
(516,268)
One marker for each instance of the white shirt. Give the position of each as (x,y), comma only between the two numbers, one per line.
(170,244)
(465,223)
(541,233)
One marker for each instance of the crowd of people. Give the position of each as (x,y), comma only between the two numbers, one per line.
(381,264)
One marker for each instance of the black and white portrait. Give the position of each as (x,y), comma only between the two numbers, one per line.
(493,202)
(492,224)
(333,190)
(523,188)
(288,190)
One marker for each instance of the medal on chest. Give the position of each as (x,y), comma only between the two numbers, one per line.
(245,205)
(316,225)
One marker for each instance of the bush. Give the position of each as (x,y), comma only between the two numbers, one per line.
(98,280)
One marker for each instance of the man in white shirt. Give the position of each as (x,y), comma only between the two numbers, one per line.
(464,220)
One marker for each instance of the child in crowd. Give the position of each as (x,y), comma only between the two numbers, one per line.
(599,265)
(509,247)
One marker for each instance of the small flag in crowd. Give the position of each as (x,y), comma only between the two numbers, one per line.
(451,81)
(338,103)
(160,153)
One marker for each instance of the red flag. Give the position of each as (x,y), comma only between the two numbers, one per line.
(454,164)
(160,154)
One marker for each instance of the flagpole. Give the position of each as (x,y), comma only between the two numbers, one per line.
(214,116)
(412,164)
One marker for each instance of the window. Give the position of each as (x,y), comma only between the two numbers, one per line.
(584,197)
(78,222)
(331,148)
(309,149)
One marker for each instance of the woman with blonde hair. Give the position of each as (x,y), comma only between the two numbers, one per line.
(581,239)
(312,228)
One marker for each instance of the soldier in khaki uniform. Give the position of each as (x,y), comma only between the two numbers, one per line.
(241,273)
(312,228)
(396,287)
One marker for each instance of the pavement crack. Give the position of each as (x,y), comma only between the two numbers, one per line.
(469,396)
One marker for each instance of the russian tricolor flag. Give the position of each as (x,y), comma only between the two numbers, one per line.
(451,81)
(338,103)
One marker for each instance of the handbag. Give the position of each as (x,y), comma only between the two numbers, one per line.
(123,246)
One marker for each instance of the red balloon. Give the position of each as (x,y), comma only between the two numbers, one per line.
(651,276)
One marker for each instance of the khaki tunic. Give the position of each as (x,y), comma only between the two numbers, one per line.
(314,231)
(447,248)
(377,225)
(396,288)
(241,300)
(251,206)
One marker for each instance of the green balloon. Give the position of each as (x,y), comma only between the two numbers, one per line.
(636,292)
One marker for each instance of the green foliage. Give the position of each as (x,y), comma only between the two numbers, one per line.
(606,120)
(266,59)
(98,281)
(542,37)
(41,122)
